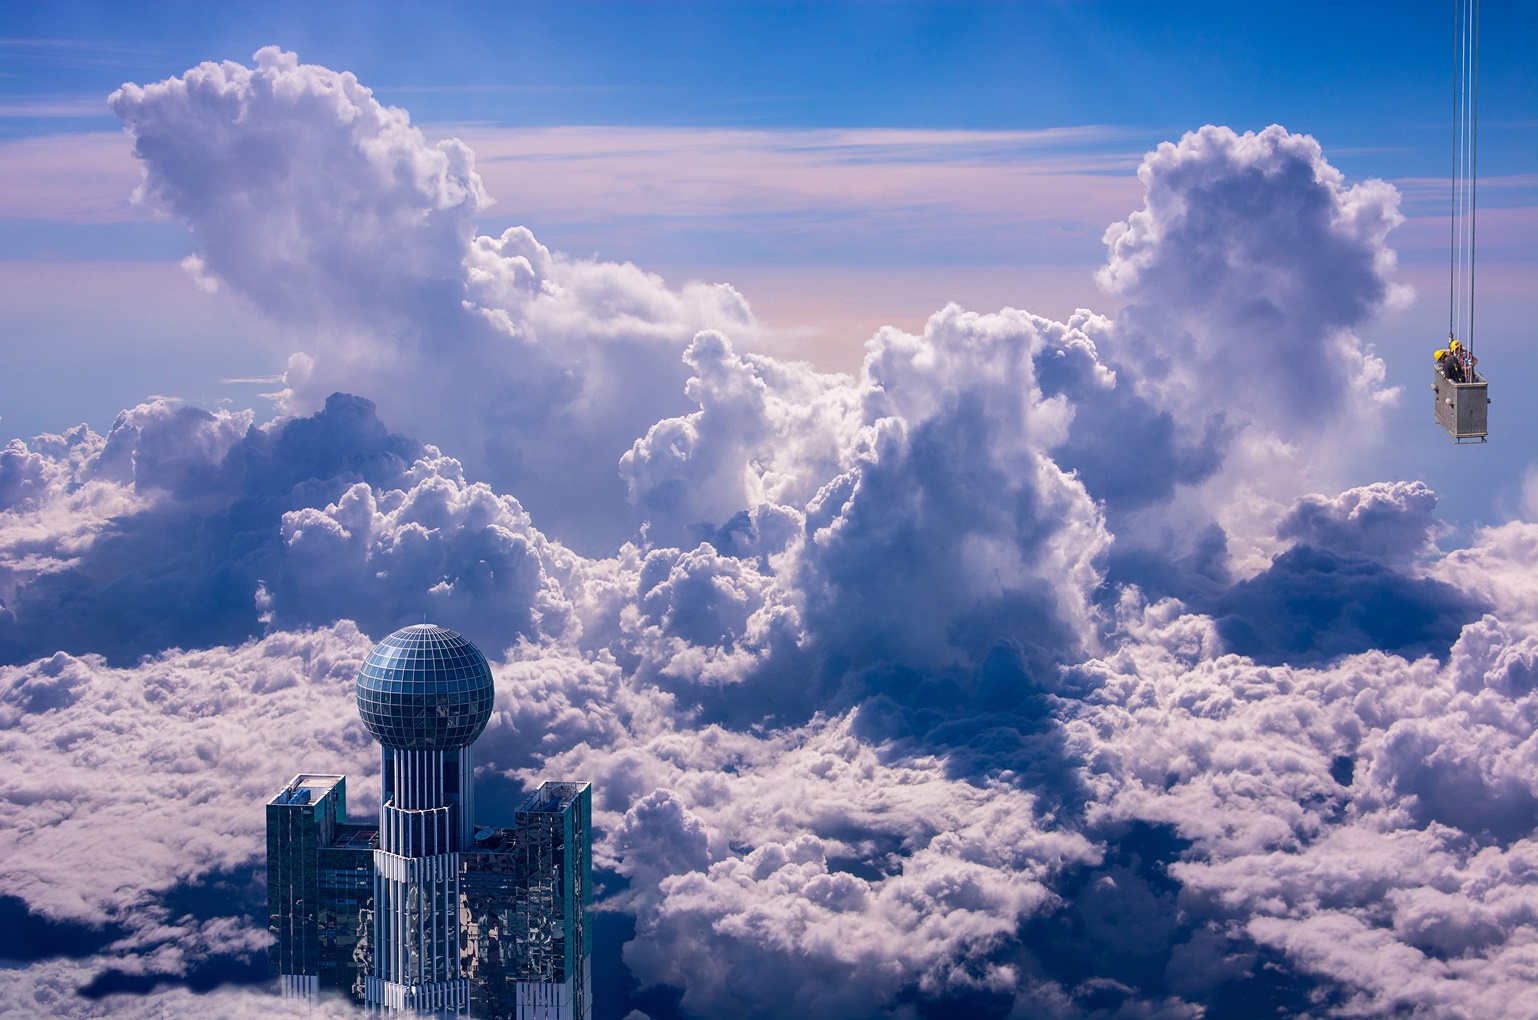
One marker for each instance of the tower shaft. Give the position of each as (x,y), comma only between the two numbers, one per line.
(424,824)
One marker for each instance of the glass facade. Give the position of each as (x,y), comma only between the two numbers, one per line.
(526,910)
(294,822)
(345,916)
(425,688)
(490,879)
(424,913)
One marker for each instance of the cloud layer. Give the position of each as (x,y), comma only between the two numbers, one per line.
(1025,673)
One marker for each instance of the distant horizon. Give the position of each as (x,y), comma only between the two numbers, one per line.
(959,480)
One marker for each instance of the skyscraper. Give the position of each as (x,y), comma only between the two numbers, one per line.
(429,913)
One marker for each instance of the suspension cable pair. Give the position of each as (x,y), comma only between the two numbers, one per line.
(1465,172)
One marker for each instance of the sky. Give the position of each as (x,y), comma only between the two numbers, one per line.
(959,479)
(751,144)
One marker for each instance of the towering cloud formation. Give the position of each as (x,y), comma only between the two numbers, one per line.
(305,193)
(993,680)
(336,217)
(1245,273)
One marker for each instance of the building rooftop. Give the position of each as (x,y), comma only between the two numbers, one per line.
(356,837)
(306,789)
(553,798)
(489,839)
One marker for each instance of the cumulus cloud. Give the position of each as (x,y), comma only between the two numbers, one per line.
(1315,604)
(434,545)
(765,431)
(1391,522)
(294,180)
(188,528)
(130,786)
(1269,836)
(1246,278)
(1349,583)
(813,852)
(1245,273)
(931,472)
(1009,676)
(1356,817)
(49,989)
(1124,446)
(336,217)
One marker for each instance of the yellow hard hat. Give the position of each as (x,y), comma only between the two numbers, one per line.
(1454,345)
(1440,355)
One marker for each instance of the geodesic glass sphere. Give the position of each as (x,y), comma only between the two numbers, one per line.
(425,688)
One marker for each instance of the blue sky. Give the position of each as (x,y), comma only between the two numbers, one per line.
(1359,75)
(1370,81)
(959,482)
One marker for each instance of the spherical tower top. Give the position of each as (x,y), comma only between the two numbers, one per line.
(425,688)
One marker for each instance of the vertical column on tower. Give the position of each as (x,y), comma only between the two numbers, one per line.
(422,830)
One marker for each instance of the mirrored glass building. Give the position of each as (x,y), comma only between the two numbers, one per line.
(428,912)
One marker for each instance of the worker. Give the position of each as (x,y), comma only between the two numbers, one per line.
(1464,360)
(1445,362)
(1450,360)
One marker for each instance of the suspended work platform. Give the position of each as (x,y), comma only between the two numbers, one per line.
(1462,396)
(1462,408)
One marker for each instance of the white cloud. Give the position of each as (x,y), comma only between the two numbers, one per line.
(1246,277)
(1246,272)
(814,862)
(934,462)
(876,713)
(125,783)
(1372,819)
(434,545)
(336,217)
(1389,521)
(49,989)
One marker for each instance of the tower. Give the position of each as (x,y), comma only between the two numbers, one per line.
(425,694)
(429,913)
